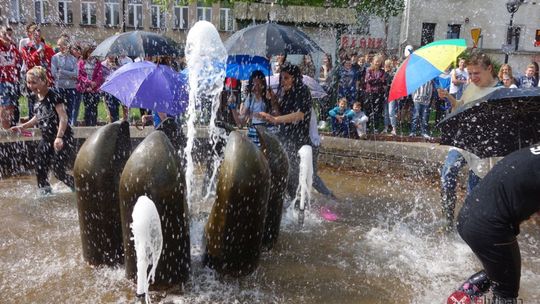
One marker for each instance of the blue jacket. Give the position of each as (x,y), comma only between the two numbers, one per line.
(337,111)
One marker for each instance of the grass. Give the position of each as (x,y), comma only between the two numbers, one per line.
(134,114)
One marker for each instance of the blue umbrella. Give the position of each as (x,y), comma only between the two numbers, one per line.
(149,86)
(241,66)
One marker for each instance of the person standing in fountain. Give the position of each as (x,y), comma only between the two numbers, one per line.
(489,223)
(295,107)
(56,145)
(483,81)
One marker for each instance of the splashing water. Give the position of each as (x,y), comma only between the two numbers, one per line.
(305,180)
(146,228)
(206,57)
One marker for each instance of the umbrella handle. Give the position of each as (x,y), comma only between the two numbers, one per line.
(139,125)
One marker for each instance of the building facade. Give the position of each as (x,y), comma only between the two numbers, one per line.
(95,20)
(425,21)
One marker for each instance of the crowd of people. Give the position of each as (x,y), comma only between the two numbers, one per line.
(367,79)
(72,71)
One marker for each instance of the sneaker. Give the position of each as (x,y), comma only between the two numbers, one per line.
(412,135)
(393,132)
(426,136)
(385,130)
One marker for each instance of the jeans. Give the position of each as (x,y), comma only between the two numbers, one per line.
(391,111)
(70,97)
(498,251)
(91,101)
(47,156)
(373,109)
(113,105)
(449,173)
(318,183)
(75,109)
(420,111)
(340,128)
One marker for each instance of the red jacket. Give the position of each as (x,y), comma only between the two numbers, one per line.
(84,80)
(32,57)
(10,63)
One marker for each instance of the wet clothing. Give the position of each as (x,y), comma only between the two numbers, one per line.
(296,99)
(490,218)
(255,106)
(48,121)
(294,135)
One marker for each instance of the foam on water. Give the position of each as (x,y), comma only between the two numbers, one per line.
(383,251)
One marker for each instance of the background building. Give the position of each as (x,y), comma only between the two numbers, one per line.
(95,20)
(425,21)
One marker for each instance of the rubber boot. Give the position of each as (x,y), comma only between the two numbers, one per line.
(476,285)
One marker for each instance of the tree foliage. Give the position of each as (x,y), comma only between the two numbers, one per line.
(380,8)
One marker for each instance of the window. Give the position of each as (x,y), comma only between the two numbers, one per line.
(453,31)
(225,19)
(88,13)
(135,17)
(204,13)
(112,12)
(14,11)
(428,33)
(180,16)
(65,11)
(158,15)
(512,37)
(41,10)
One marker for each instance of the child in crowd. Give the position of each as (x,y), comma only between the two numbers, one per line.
(359,119)
(340,121)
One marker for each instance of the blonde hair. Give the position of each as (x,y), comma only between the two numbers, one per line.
(500,74)
(39,72)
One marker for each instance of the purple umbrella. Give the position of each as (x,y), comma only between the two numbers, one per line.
(149,86)
(315,88)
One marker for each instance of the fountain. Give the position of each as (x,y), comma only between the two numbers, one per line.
(383,249)
(148,238)
(206,57)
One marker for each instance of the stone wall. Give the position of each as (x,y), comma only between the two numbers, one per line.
(401,158)
(411,159)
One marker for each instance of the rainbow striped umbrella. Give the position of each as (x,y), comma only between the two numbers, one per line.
(423,65)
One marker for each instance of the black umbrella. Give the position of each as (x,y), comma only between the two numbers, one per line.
(138,43)
(270,39)
(499,123)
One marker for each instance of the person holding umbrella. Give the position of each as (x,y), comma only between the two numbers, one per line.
(483,80)
(295,107)
(256,101)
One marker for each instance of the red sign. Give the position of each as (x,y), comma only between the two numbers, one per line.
(362,42)
(537,40)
